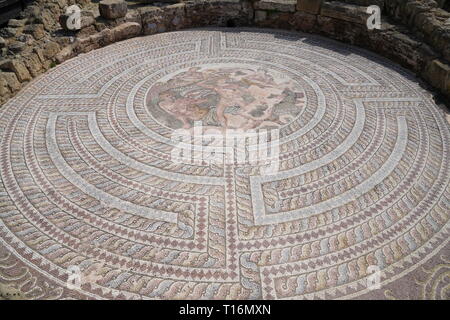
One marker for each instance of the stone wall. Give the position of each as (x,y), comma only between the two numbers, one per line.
(414,33)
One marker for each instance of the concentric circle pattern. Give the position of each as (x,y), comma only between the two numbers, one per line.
(91,205)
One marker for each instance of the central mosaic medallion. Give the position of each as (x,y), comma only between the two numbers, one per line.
(93,205)
(228,96)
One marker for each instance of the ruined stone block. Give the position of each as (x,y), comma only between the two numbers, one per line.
(346,12)
(113,9)
(276,5)
(309,6)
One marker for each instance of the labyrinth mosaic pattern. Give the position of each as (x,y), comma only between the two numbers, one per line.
(87,183)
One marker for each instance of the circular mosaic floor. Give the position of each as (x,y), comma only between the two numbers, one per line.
(92,204)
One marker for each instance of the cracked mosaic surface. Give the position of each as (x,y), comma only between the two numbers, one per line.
(232,97)
(86,177)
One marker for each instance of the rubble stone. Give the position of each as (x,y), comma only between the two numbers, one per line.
(50,50)
(11,80)
(36,30)
(17,67)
